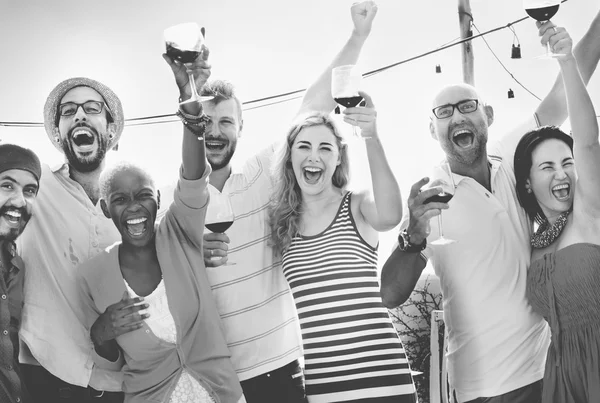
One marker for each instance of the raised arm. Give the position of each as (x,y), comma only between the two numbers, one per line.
(193,151)
(383,209)
(318,95)
(402,269)
(584,126)
(553,108)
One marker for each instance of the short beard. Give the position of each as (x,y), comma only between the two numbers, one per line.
(216,165)
(14,233)
(89,164)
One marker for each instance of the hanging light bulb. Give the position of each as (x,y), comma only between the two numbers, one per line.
(438,68)
(511,94)
(516,51)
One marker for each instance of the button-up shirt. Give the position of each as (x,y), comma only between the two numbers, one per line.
(11,303)
(65,230)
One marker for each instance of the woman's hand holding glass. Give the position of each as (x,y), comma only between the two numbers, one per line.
(363,117)
(556,39)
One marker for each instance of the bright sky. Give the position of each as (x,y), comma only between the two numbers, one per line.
(266,48)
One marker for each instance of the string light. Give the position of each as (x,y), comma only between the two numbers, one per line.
(516,49)
(504,67)
(130,122)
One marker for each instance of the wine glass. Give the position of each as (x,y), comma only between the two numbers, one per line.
(345,83)
(184,43)
(219,215)
(442,177)
(543,10)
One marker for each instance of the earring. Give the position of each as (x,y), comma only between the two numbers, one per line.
(110,136)
(57,139)
(529,190)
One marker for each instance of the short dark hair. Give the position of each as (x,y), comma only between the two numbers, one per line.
(222,91)
(522,163)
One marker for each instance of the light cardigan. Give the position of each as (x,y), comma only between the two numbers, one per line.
(153,366)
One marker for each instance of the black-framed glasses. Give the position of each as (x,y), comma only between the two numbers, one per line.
(464,106)
(89,107)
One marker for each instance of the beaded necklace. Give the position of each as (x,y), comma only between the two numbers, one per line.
(547,234)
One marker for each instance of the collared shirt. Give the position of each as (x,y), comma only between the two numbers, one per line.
(252,295)
(65,230)
(496,343)
(11,303)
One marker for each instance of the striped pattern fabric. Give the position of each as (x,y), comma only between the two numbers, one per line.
(351,349)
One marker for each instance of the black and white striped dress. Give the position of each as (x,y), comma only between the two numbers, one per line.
(351,349)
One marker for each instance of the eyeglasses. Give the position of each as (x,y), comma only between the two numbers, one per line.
(465,106)
(89,107)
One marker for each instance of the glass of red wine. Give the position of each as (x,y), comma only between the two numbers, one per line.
(345,83)
(219,215)
(442,178)
(543,10)
(184,43)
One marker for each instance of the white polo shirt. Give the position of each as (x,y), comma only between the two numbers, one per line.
(496,342)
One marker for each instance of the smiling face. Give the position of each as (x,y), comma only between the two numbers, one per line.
(131,201)
(222,132)
(552,176)
(84,136)
(462,136)
(18,190)
(315,155)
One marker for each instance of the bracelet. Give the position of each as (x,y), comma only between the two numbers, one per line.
(196,124)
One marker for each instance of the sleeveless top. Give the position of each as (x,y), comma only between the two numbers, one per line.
(563,287)
(162,325)
(351,348)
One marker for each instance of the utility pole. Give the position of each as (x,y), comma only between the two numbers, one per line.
(468,62)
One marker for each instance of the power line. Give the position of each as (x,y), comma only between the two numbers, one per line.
(503,66)
(286,94)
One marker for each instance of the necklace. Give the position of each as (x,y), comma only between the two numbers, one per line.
(547,234)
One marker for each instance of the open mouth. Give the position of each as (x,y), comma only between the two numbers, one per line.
(562,192)
(12,216)
(215,145)
(312,175)
(463,138)
(83,138)
(136,226)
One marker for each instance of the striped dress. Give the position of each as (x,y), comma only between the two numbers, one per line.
(351,349)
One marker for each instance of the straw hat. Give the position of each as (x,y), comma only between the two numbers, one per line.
(110,98)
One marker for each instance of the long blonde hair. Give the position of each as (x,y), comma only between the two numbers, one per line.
(286,202)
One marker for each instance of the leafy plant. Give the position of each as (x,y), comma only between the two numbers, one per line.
(413,323)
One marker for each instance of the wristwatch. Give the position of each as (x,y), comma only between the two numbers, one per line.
(405,245)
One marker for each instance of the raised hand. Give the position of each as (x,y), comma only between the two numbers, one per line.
(200,67)
(420,213)
(215,245)
(118,319)
(559,39)
(363,117)
(363,13)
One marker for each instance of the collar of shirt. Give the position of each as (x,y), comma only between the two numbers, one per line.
(493,162)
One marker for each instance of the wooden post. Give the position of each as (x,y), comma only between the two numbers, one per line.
(468,62)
